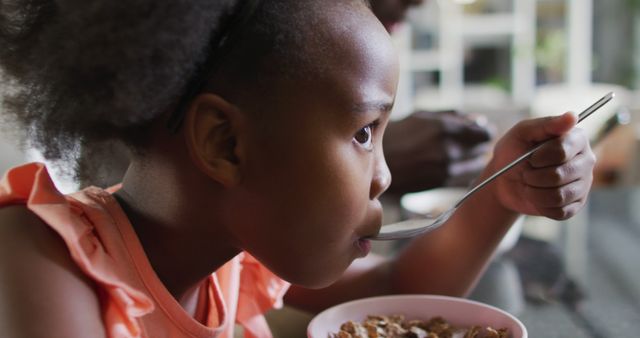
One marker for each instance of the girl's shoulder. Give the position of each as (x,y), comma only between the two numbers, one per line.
(65,249)
(41,283)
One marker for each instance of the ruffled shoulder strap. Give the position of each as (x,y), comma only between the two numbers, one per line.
(260,290)
(28,182)
(31,184)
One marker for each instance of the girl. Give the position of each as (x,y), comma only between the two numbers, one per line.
(255,129)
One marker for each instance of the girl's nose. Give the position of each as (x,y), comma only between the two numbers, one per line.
(381,178)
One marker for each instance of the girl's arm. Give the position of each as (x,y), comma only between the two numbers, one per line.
(42,291)
(554,182)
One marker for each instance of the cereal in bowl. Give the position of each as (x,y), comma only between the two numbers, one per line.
(396,326)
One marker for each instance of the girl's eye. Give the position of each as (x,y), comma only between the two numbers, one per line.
(364,137)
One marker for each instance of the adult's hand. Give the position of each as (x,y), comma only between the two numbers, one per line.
(431,149)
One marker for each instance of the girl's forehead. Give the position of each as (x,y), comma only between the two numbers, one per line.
(341,53)
(354,27)
(353,46)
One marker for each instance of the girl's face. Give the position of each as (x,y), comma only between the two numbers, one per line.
(314,165)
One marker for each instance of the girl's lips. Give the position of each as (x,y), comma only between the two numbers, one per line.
(390,26)
(364,245)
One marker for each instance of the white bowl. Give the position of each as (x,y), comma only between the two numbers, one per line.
(440,199)
(457,311)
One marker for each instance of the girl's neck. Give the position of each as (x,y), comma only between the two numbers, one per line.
(179,234)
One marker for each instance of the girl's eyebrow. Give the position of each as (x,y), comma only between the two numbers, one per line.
(371,106)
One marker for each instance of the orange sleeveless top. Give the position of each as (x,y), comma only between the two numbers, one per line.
(103,243)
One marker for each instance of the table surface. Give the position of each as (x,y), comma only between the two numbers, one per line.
(607,303)
(585,283)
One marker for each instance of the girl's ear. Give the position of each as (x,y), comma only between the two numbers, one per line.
(211,129)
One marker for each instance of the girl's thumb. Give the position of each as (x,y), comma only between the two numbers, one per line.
(548,127)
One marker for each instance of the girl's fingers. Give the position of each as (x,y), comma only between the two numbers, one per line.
(560,150)
(556,176)
(559,197)
(562,213)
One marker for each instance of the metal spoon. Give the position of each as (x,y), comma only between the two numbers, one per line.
(413,227)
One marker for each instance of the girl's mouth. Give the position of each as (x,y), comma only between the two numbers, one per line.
(390,26)
(364,245)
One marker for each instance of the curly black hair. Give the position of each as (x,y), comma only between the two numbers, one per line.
(78,73)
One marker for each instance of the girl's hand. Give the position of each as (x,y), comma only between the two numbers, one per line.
(555,181)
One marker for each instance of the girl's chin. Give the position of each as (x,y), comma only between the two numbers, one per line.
(319,283)
(320,277)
